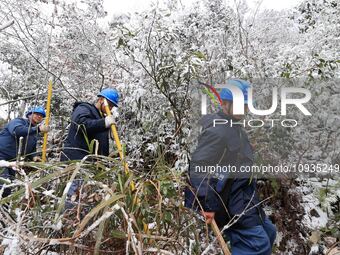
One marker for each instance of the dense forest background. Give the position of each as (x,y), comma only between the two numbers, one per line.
(154,58)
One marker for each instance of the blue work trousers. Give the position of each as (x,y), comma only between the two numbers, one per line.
(256,240)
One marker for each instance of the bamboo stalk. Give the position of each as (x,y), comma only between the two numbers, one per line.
(118,144)
(115,134)
(48,109)
(21,139)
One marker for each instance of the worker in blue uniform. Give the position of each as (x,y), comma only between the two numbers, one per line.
(89,122)
(29,128)
(223,195)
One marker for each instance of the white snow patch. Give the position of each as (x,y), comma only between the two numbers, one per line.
(48,192)
(12,246)
(314,249)
(312,222)
(57,226)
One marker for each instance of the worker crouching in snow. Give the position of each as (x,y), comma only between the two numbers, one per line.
(222,196)
(89,122)
(29,129)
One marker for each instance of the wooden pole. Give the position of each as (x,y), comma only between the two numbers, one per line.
(220,239)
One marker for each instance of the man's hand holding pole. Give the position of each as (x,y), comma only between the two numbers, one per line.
(209,218)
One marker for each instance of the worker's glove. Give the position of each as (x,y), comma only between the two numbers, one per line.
(209,216)
(36,159)
(43,128)
(109,120)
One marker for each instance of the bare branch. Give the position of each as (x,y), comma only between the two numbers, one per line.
(8,24)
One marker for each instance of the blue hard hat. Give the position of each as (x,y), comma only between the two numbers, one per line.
(111,95)
(38,109)
(241,84)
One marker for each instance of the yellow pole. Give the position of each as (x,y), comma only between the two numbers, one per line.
(117,141)
(48,109)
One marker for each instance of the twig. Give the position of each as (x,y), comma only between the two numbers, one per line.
(332,247)
(8,24)
(159,251)
(104,217)
(131,235)
(219,237)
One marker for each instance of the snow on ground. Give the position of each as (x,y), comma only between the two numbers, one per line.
(310,203)
(314,218)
